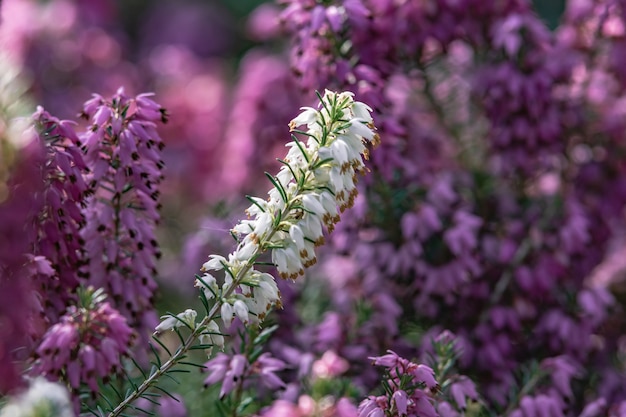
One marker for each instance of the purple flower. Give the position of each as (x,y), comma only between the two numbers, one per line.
(61,219)
(85,346)
(123,150)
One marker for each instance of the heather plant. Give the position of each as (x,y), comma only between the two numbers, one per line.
(59,222)
(489,238)
(494,209)
(317,182)
(123,150)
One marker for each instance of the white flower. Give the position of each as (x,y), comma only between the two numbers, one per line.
(43,398)
(208,285)
(362,111)
(244,227)
(358,128)
(215,335)
(212,336)
(316,182)
(187,317)
(227,313)
(331,215)
(297,236)
(216,263)
(259,206)
(268,288)
(307,117)
(241,311)
(312,228)
(287,261)
(312,205)
(246,249)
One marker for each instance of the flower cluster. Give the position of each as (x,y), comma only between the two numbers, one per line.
(409,389)
(60,220)
(446,237)
(86,346)
(317,182)
(123,150)
(233,371)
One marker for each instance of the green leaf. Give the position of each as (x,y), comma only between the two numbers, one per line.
(167,393)
(255,203)
(163,346)
(192,364)
(288,166)
(278,186)
(302,149)
(143,374)
(265,335)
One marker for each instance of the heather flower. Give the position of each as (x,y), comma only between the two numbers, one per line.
(186,318)
(462,389)
(410,388)
(61,218)
(540,405)
(311,188)
(562,369)
(330,365)
(297,202)
(232,372)
(122,149)
(85,346)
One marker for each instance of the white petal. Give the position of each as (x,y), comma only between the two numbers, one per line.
(214,264)
(241,311)
(227,314)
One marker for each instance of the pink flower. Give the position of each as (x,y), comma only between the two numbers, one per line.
(329,365)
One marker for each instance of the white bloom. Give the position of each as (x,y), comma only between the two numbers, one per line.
(244,227)
(216,263)
(312,228)
(215,335)
(307,117)
(259,206)
(307,195)
(227,313)
(241,311)
(43,399)
(284,176)
(276,199)
(246,249)
(187,317)
(339,151)
(263,224)
(331,215)
(268,288)
(297,156)
(311,204)
(357,127)
(211,288)
(362,111)
(287,261)
(297,236)
(212,336)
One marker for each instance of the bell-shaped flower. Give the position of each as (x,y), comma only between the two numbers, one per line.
(187,317)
